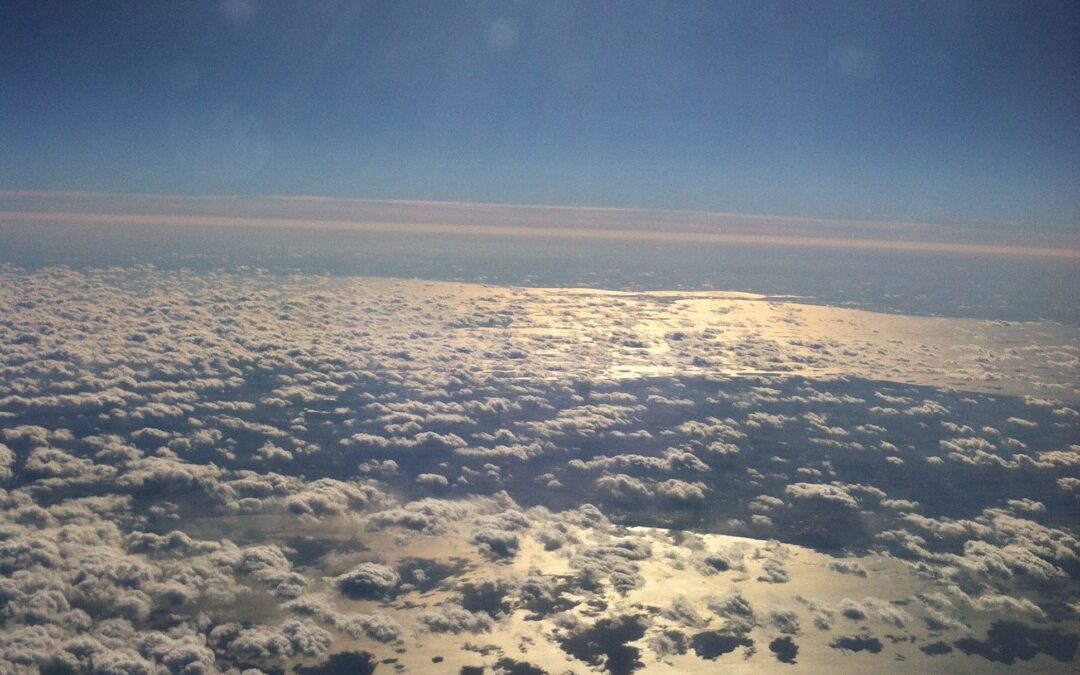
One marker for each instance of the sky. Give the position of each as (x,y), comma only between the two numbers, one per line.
(940,112)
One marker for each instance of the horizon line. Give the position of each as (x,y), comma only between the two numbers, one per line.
(1009,226)
(537,232)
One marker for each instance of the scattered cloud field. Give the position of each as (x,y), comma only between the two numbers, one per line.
(239,472)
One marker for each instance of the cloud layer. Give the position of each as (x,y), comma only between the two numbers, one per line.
(234,472)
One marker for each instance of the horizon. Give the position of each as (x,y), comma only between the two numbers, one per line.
(667,225)
(17,192)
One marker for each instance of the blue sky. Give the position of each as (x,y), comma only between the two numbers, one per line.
(951,112)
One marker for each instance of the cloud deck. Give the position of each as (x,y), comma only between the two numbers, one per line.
(241,472)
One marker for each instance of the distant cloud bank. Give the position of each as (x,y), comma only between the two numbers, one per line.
(527,221)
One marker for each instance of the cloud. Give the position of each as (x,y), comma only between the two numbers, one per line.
(830,494)
(451,618)
(736,609)
(432,480)
(682,612)
(204,493)
(368,581)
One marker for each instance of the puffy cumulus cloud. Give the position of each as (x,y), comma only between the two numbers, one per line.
(386,467)
(81,563)
(519,452)
(773,571)
(58,573)
(431,439)
(542,596)
(672,460)
(820,492)
(899,504)
(873,608)
(682,491)
(615,562)
(268,644)
(766,504)
(945,528)
(170,475)
(735,609)
(453,618)
(903,543)
(1069,484)
(263,562)
(432,480)
(710,562)
(56,468)
(1026,505)
(1000,544)
(368,440)
(496,537)
(183,654)
(267,564)
(378,627)
(28,435)
(269,452)
(1007,605)
(972,450)
(785,621)
(710,428)
(760,419)
(331,497)
(7,460)
(722,448)
(622,486)
(426,515)
(1056,458)
(985,559)
(682,611)
(928,408)
(368,580)
(820,423)
(314,605)
(668,643)
(586,420)
(492,596)
(822,614)
(170,542)
(848,567)
(772,556)
(306,639)
(110,648)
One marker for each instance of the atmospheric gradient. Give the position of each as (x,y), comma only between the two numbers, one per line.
(539,338)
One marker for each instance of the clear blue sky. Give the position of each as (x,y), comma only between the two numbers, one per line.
(951,112)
